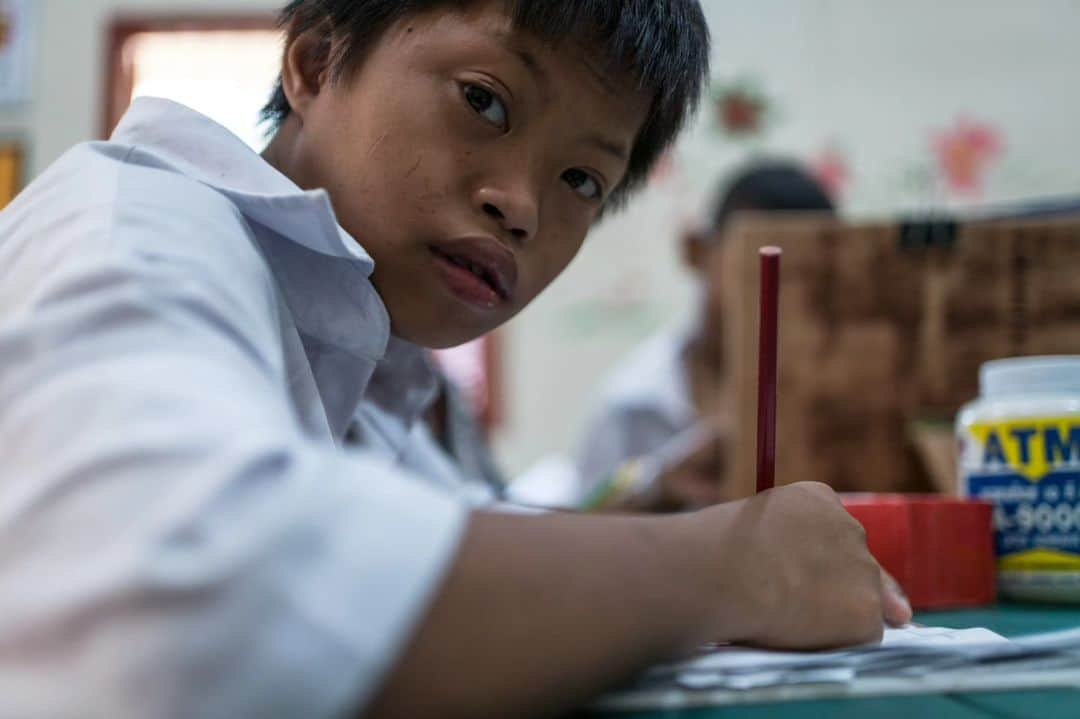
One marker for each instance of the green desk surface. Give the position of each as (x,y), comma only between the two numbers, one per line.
(1007,619)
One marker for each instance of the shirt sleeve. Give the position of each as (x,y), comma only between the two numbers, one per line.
(171,543)
(615,434)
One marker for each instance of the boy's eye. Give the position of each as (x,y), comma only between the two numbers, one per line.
(487,105)
(583,183)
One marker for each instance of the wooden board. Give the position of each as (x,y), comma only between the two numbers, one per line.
(877,338)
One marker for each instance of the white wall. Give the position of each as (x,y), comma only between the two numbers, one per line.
(871,77)
(68,86)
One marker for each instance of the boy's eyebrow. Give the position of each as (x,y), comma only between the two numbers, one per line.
(615,149)
(540,75)
(539,72)
(535,69)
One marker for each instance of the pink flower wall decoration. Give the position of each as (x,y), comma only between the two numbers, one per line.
(965,152)
(832,170)
(664,168)
(740,109)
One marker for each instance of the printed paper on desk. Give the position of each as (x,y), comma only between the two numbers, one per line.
(736,659)
(910,660)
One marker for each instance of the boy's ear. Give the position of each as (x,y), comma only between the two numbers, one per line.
(694,248)
(305,68)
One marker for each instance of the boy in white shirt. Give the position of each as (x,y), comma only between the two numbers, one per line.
(666,408)
(187,331)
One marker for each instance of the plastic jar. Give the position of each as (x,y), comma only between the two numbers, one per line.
(1019,448)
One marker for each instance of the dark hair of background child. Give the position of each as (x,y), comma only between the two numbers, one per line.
(769,187)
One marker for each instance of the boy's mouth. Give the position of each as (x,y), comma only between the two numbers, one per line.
(479,270)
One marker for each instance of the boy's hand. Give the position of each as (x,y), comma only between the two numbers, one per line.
(789,569)
(695,478)
(895,603)
(688,472)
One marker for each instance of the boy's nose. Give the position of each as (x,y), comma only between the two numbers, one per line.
(515,210)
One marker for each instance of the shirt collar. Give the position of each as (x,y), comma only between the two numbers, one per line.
(323,274)
(197,147)
(655,378)
(673,398)
(404,382)
(402,388)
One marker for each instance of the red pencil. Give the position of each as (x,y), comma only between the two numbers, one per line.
(766,419)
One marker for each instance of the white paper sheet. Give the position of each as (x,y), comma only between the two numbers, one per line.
(909,660)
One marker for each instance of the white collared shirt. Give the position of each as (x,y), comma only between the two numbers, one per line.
(642,405)
(390,420)
(184,337)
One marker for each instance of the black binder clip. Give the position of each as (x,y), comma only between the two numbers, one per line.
(928,234)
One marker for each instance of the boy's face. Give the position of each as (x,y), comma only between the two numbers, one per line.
(469,161)
(704,254)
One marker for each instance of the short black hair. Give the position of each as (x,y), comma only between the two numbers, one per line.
(663,44)
(768,186)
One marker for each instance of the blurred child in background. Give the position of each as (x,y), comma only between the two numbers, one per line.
(657,439)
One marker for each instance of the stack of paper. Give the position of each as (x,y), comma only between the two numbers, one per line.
(908,660)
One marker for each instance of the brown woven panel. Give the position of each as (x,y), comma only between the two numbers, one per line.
(880,340)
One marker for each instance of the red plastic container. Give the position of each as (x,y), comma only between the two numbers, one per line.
(940,549)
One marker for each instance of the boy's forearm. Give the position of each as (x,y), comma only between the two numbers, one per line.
(538,613)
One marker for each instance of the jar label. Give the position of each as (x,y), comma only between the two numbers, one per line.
(1030,470)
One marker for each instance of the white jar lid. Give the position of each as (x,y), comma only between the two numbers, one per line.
(1027,375)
